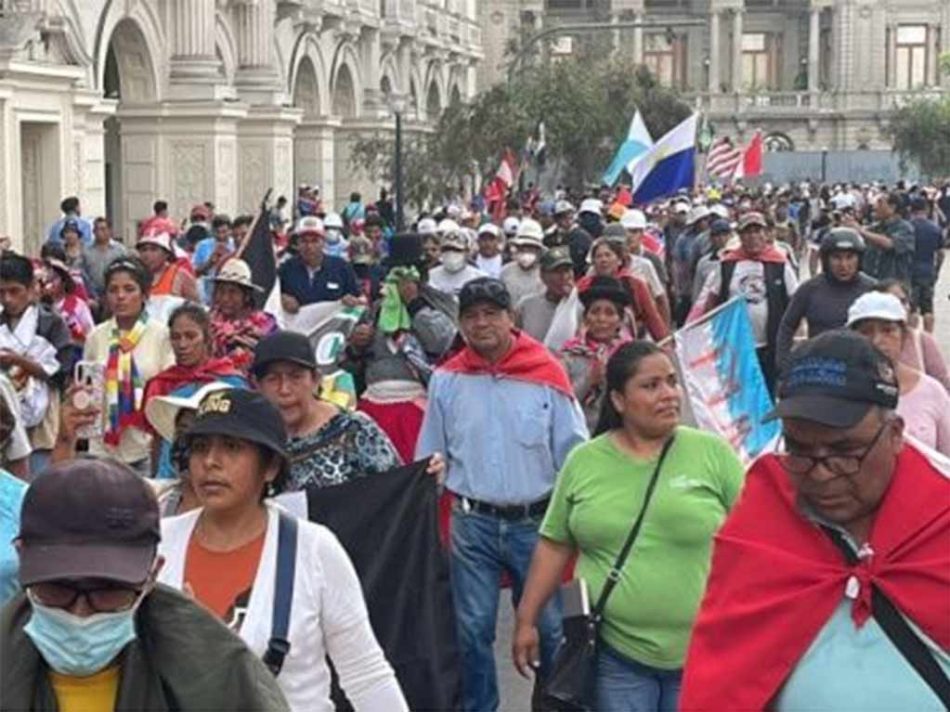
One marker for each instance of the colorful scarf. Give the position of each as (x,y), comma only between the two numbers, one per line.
(124,384)
(393,315)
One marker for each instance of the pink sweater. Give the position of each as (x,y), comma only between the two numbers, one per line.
(926,413)
(922,353)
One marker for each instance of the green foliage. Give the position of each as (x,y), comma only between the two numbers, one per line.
(585,103)
(921,133)
(945,62)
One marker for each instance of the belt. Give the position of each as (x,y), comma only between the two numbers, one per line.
(504,511)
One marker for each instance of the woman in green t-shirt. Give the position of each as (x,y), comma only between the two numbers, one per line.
(599,492)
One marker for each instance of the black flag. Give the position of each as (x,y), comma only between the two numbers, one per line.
(258,251)
(388,524)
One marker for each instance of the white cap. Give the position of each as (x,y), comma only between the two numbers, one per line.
(448,227)
(162,411)
(680,207)
(563,206)
(426,226)
(310,225)
(489,228)
(720,210)
(876,305)
(530,233)
(159,239)
(333,221)
(591,205)
(634,220)
(697,214)
(454,241)
(510,226)
(454,211)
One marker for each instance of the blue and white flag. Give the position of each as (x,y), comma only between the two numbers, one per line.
(723,380)
(637,143)
(668,166)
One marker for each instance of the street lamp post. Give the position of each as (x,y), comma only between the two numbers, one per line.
(824,165)
(398,106)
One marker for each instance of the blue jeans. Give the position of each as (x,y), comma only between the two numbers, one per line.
(482,547)
(624,685)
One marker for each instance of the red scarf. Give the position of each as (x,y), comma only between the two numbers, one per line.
(174,377)
(777,578)
(526,360)
(769,254)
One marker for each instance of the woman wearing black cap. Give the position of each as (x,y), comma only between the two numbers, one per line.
(226,555)
(585,356)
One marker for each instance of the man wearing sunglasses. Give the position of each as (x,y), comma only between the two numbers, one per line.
(830,582)
(92,631)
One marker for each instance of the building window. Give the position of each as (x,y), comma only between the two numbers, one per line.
(666,59)
(760,60)
(910,57)
(824,59)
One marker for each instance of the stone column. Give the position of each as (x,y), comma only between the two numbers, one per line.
(814,57)
(255,23)
(737,50)
(638,39)
(193,57)
(714,32)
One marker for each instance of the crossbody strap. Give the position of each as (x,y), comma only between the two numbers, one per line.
(613,576)
(898,630)
(279,645)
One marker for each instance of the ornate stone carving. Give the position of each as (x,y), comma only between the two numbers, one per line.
(253,174)
(190,162)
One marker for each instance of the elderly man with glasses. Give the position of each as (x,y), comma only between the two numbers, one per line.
(830,582)
(93,631)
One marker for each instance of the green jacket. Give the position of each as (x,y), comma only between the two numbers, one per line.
(183,659)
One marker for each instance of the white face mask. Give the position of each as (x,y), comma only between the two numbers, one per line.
(453,261)
(526,260)
(334,236)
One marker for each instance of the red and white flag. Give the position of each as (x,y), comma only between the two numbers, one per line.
(723,159)
(496,192)
(751,164)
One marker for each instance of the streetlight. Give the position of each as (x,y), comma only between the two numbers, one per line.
(824,164)
(397,103)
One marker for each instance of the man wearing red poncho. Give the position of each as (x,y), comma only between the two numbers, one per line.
(830,582)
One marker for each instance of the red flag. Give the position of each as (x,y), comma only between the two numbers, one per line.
(496,192)
(752,158)
(624,196)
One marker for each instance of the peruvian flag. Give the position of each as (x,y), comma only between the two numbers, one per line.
(751,164)
(496,192)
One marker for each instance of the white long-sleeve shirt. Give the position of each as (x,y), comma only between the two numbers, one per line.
(328,617)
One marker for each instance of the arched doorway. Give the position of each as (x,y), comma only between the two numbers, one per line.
(433,103)
(346,178)
(130,154)
(344,94)
(456,96)
(307,135)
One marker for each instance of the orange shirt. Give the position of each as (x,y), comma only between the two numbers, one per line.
(222,580)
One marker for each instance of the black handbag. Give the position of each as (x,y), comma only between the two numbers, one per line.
(570,685)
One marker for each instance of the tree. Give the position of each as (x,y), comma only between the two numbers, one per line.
(585,103)
(921,133)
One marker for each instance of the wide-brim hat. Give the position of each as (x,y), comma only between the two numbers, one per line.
(236,271)
(162,412)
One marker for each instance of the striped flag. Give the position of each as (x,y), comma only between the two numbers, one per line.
(723,159)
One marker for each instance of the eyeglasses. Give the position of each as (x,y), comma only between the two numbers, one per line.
(108,599)
(845,465)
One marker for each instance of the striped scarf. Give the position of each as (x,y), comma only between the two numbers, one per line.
(124,384)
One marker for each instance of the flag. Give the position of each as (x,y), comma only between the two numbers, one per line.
(723,159)
(723,379)
(751,165)
(637,142)
(668,166)
(258,251)
(496,192)
(388,524)
(536,147)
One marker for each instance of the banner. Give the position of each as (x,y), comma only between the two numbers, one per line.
(723,381)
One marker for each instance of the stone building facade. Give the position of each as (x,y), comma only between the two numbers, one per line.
(813,74)
(121,102)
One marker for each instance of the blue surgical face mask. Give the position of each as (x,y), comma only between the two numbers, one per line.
(72,645)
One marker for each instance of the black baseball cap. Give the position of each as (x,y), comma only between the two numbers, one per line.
(88,518)
(283,346)
(484,289)
(242,414)
(834,379)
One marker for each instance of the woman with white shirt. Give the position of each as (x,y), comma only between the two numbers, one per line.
(226,554)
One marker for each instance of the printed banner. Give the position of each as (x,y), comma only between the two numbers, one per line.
(723,380)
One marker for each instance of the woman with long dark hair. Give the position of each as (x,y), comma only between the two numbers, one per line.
(599,493)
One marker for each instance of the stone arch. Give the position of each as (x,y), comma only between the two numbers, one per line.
(778,142)
(455,95)
(385,86)
(225,46)
(433,101)
(135,39)
(389,71)
(307,50)
(306,88)
(346,85)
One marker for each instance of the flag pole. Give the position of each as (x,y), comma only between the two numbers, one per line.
(250,233)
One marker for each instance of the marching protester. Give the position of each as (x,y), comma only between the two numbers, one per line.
(93,630)
(230,555)
(643,263)
(823,593)
(720,232)
(168,277)
(15,448)
(522,276)
(12,491)
(505,389)
(551,316)
(454,270)
(823,301)
(683,482)
(920,350)
(60,293)
(924,404)
(928,258)
(133,347)
(890,240)
(236,324)
(99,255)
(212,251)
(489,259)
(312,276)
(568,233)
(761,274)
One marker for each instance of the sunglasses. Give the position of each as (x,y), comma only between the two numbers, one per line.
(101,599)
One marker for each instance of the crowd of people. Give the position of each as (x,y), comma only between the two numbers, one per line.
(155,408)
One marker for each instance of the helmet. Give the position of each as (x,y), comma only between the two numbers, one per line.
(510,226)
(333,221)
(842,239)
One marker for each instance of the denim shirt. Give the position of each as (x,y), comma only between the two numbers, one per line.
(503,440)
(12,492)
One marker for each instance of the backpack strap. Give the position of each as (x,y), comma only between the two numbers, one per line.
(279,646)
(726,270)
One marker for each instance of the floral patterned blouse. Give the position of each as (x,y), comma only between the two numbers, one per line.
(349,445)
(238,337)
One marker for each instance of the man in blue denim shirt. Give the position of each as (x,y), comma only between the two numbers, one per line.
(503,413)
